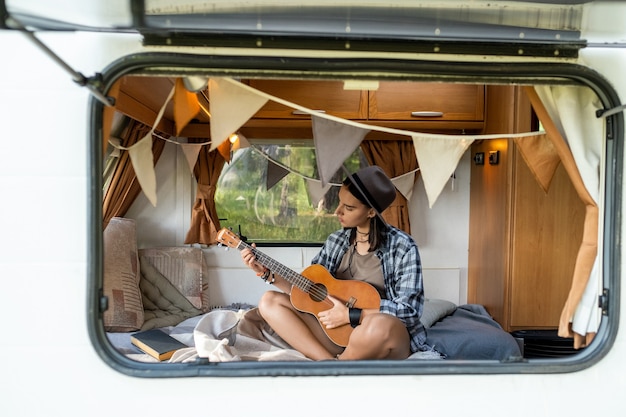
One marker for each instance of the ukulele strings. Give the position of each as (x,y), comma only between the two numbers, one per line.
(313,290)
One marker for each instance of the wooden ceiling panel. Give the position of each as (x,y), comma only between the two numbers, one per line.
(141,98)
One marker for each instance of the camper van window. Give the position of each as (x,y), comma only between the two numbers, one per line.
(271,192)
(486,186)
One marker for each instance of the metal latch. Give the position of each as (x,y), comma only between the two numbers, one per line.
(603,302)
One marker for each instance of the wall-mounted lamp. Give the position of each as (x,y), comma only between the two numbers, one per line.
(238,141)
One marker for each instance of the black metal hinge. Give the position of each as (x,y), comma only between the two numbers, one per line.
(93,84)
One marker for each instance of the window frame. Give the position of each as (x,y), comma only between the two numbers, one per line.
(522,73)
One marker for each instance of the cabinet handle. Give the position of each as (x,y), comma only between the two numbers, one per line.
(426,113)
(303,113)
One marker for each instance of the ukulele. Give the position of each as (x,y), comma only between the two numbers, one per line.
(310,290)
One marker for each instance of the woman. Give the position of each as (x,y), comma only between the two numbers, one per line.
(367,249)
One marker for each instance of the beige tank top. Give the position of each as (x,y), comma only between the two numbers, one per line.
(363,268)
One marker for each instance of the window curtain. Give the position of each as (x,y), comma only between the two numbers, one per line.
(577,135)
(124,187)
(204,220)
(395,158)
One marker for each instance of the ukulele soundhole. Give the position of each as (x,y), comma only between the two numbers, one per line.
(318,292)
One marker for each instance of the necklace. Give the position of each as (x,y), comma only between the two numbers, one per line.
(365,238)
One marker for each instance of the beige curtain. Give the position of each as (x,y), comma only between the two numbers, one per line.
(395,158)
(124,187)
(589,246)
(204,220)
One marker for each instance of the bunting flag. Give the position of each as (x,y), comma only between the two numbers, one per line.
(541,157)
(274,173)
(404,184)
(316,191)
(186,105)
(143,160)
(143,163)
(438,159)
(191,152)
(231,106)
(334,143)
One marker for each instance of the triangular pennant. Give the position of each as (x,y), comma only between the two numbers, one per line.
(316,191)
(438,159)
(404,184)
(334,143)
(186,105)
(143,164)
(231,107)
(541,157)
(143,160)
(191,151)
(275,173)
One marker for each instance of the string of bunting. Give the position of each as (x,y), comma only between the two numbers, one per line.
(233,103)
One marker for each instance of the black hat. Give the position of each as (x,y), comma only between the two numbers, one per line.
(375,187)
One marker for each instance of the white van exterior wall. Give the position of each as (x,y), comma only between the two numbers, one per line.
(43,182)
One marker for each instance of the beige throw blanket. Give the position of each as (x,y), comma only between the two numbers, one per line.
(226,336)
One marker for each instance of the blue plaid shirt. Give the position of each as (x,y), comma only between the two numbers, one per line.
(402,272)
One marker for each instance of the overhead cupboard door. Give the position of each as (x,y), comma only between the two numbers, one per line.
(427,101)
(327,97)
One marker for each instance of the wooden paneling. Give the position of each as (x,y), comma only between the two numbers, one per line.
(488,234)
(523,241)
(141,98)
(547,230)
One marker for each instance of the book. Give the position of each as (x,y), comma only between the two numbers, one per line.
(156,343)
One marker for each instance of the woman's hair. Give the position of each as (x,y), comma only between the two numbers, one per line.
(378,228)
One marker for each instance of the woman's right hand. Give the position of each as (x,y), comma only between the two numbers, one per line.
(247,255)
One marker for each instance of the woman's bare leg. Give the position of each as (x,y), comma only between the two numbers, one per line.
(380,336)
(301,330)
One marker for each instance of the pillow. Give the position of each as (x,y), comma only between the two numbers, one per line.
(164,305)
(121,277)
(434,310)
(184,268)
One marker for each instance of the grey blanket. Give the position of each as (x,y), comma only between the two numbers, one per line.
(470,333)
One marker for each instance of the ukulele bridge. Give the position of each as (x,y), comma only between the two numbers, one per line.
(351,302)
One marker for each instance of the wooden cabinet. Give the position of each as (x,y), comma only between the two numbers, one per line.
(427,101)
(328,97)
(402,105)
(523,242)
